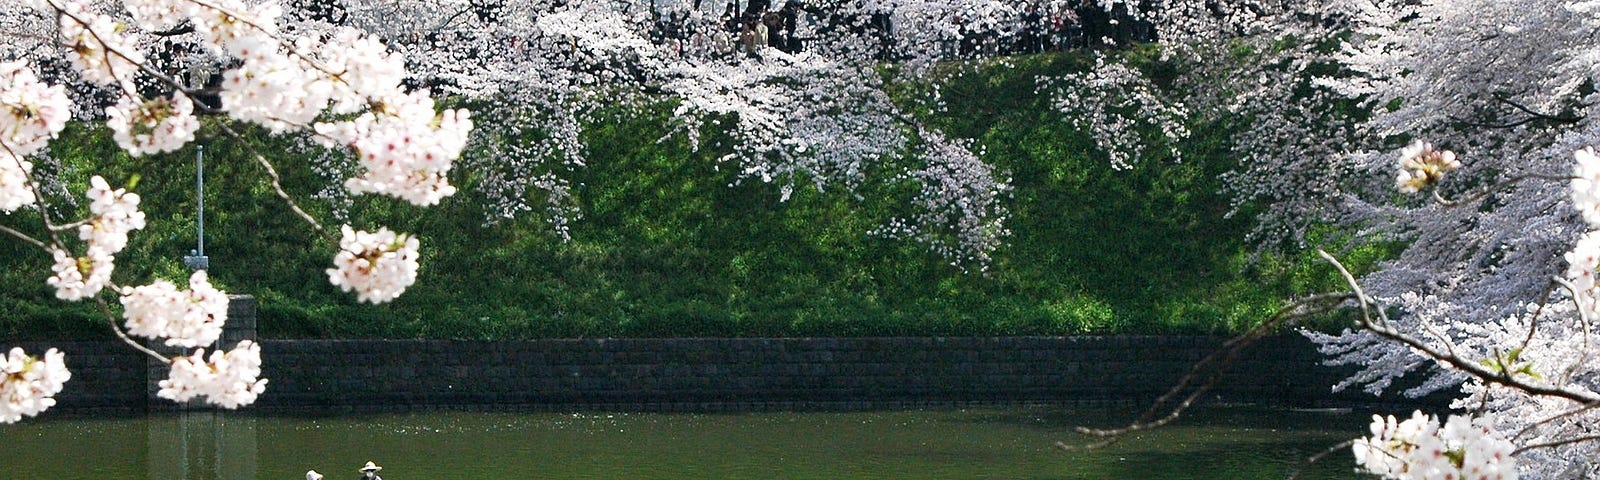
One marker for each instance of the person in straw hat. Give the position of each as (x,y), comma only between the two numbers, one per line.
(370,472)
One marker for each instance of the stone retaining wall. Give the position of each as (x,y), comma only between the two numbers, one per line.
(701,374)
(723,374)
(713,374)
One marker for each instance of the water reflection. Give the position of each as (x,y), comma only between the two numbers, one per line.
(202,444)
(936,444)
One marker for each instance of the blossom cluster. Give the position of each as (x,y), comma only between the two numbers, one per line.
(28,384)
(406,148)
(1586,185)
(226,379)
(116,212)
(31,113)
(97,45)
(192,318)
(1581,264)
(378,266)
(1418,448)
(1421,165)
(15,190)
(152,126)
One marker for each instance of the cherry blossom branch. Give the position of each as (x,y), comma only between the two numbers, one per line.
(1535,114)
(1219,360)
(112,318)
(1504,378)
(287,46)
(1557,443)
(1553,418)
(55,239)
(1341,446)
(139,64)
(1533,322)
(277,185)
(1497,186)
(24,237)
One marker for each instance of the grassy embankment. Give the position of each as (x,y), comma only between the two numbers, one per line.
(666,247)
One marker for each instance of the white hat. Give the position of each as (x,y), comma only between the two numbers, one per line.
(313,475)
(371,467)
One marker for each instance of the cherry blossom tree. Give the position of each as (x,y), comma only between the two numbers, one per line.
(1450,129)
(355,83)
(339,86)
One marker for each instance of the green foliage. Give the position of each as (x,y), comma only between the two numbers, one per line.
(672,245)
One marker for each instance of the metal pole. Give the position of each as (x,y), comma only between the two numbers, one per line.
(196,259)
(200,195)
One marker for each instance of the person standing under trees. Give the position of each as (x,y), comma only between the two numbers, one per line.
(1032,29)
(1065,26)
(762,33)
(370,471)
(1095,23)
(777,36)
(791,25)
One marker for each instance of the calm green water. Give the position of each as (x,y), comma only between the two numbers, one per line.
(985,443)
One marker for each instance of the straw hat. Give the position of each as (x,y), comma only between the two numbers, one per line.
(371,467)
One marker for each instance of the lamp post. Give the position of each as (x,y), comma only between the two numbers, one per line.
(196,259)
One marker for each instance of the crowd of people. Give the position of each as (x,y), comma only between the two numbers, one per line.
(1033,27)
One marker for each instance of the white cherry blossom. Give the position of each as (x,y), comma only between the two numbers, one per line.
(274,91)
(191,318)
(99,48)
(1581,264)
(1421,165)
(159,15)
(1417,448)
(378,266)
(116,212)
(406,148)
(237,27)
(225,379)
(362,68)
(152,126)
(31,112)
(15,188)
(1586,185)
(77,278)
(28,384)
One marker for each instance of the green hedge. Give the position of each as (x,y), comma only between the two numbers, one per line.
(665,247)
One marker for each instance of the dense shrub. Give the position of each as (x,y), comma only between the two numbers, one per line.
(671,245)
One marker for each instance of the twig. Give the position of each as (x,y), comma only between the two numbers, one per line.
(277,186)
(1497,186)
(1294,474)
(1541,115)
(1557,443)
(24,237)
(106,310)
(1553,418)
(44,217)
(1387,331)
(1218,363)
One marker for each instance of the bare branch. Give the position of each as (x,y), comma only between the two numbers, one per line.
(1206,372)
(1496,187)
(1505,378)
(1553,418)
(277,185)
(24,237)
(1557,443)
(1319,456)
